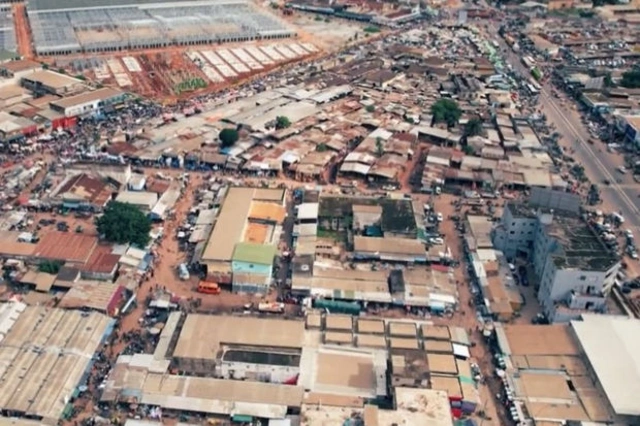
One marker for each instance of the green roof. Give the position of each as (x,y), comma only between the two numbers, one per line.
(260,254)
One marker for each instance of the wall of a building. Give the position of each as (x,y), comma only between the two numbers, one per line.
(256,372)
(250,288)
(514,234)
(251,268)
(556,285)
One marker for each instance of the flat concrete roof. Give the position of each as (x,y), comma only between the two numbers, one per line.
(440,363)
(403,343)
(202,335)
(553,386)
(405,329)
(338,322)
(314,320)
(371,341)
(438,346)
(345,370)
(436,332)
(418,407)
(338,338)
(370,326)
(449,384)
(540,339)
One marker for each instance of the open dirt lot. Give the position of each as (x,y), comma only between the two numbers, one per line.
(330,34)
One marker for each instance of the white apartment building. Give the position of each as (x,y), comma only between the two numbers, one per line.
(516,231)
(574,270)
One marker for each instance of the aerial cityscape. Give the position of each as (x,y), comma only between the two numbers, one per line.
(320,212)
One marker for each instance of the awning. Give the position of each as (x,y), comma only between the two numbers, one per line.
(241,418)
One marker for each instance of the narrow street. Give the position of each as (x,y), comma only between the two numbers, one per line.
(599,167)
(23,34)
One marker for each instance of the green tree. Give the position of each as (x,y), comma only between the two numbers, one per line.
(446,110)
(124,223)
(228,137)
(370,108)
(473,127)
(50,266)
(608,81)
(282,122)
(631,79)
(379,147)
(321,147)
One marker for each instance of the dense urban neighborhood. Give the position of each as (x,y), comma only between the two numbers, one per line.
(319,213)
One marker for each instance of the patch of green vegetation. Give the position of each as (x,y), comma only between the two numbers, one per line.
(371,29)
(190,85)
(397,215)
(50,266)
(336,236)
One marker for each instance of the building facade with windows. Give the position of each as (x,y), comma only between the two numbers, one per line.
(574,270)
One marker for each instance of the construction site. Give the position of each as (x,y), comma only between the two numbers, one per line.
(161,50)
(172,73)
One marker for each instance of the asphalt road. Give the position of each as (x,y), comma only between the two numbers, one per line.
(621,197)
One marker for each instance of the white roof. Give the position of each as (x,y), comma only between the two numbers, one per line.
(138,198)
(308,211)
(613,349)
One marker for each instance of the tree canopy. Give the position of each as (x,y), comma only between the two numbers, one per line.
(228,137)
(631,79)
(446,111)
(473,127)
(282,122)
(379,147)
(50,266)
(124,223)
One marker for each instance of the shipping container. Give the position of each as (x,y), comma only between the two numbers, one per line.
(337,306)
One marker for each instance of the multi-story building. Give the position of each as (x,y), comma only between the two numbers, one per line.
(515,233)
(574,269)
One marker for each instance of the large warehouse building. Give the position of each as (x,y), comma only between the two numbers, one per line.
(114,25)
(241,248)
(248,368)
(45,354)
(612,352)
(585,371)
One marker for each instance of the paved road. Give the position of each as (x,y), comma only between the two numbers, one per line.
(598,166)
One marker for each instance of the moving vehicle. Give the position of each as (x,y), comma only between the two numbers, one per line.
(183,272)
(208,288)
(273,308)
